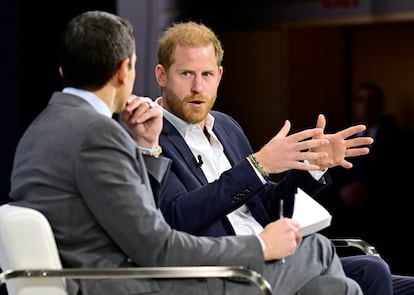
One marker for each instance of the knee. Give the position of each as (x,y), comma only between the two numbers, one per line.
(375,265)
(374,275)
(321,240)
(322,243)
(345,285)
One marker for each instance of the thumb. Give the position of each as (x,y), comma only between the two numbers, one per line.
(321,123)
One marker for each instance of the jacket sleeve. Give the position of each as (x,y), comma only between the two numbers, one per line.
(157,169)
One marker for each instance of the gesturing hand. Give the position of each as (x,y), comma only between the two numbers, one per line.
(341,145)
(284,152)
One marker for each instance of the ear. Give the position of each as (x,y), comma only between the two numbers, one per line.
(220,71)
(61,71)
(160,75)
(123,70)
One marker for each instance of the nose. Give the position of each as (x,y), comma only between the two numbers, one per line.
(197,85)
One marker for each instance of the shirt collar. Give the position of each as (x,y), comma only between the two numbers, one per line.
(91,98)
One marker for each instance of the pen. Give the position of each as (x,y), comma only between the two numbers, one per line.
(281,216)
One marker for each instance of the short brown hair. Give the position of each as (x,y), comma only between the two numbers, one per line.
(190,34)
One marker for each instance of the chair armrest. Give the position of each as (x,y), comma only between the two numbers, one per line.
(365,247)
(144,272)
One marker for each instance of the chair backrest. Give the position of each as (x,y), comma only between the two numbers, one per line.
(31,265)
(27,242)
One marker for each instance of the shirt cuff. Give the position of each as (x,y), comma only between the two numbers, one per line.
(316,174)
(257,172)
(261,243)
(150,152)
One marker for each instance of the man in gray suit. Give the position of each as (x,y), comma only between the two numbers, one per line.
(97,185)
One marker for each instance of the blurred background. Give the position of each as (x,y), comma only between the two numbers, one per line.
(284,59)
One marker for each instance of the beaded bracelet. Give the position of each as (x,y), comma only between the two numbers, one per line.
(258,166)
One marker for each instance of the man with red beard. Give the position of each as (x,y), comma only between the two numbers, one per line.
(218,186)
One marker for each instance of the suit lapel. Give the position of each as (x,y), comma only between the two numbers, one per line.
(228,146)
(176,143)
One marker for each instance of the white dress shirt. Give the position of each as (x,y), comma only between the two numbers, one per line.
(215,163)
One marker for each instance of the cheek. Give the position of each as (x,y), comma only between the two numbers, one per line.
(180,89)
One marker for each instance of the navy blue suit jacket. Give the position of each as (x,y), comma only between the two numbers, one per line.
(191,204)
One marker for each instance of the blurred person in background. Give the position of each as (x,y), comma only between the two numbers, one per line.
(372,200)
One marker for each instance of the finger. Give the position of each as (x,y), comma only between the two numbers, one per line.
(313,157)
(311,144)
(359,141)
(299,236)
(350,131)
(140,106)
(131,104)
(321,122)
(136,102)
(295,223)
(305,134)
(145,103)
(346,164)
(149,113)
(284,130)
(354,152)
(306,165)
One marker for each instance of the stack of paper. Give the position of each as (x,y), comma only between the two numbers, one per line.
(310,214)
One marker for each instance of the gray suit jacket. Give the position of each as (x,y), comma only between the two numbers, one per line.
(82,170)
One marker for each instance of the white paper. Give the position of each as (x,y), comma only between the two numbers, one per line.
(311,215)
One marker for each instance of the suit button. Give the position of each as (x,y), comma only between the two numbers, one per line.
(238,197)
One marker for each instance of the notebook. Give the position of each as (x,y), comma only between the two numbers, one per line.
(311,215)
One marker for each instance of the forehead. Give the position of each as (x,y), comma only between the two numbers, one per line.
(200,53)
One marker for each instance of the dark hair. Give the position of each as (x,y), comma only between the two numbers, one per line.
(92,47)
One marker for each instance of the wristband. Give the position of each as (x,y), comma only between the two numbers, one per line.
(257,165)
(151,152)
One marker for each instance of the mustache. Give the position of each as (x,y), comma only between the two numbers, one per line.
(196,97)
